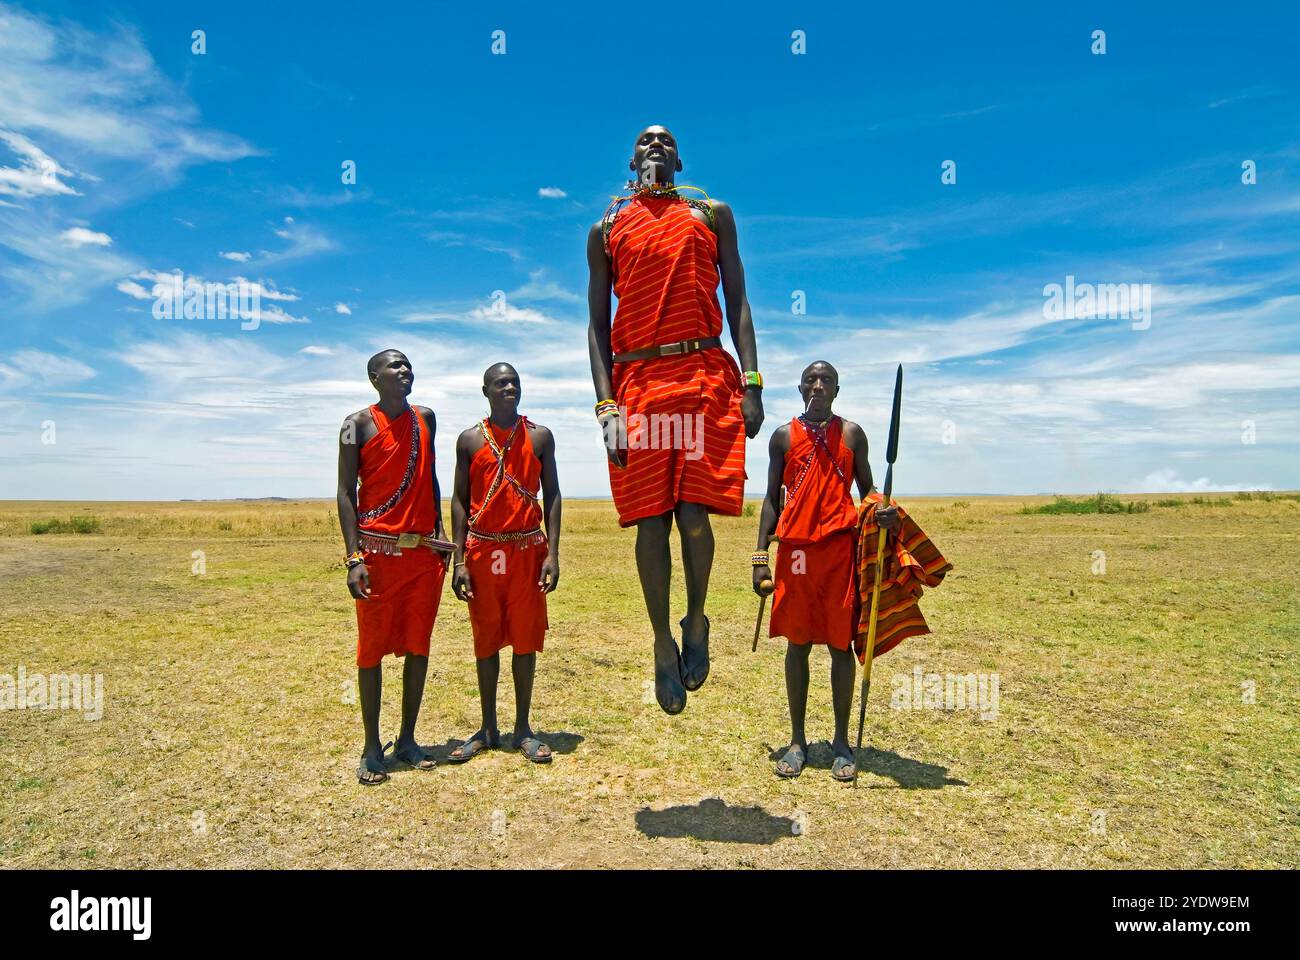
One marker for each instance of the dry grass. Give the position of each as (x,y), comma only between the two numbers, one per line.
(225,704)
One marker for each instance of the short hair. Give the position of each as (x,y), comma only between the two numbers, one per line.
(820,363)
(494,366)
(373,362)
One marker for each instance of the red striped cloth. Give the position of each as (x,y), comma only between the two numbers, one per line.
(912,563)
(686,434)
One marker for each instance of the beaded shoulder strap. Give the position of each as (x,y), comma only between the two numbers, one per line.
(499,451)
(412,460)
(819,440)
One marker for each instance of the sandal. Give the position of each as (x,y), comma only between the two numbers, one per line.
(416,757)
(701,668)
(478,742)
(837,770)
(794,760)
(532,748)
(665,692)
(367,775)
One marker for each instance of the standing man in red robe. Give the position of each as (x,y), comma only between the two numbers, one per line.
(674,407)
(505,564)
(393,571)
(815,459)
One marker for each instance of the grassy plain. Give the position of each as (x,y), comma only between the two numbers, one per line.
(1125,733)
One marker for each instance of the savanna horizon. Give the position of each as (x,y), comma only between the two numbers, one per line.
(1145,700)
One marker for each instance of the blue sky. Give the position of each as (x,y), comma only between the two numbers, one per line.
(124,155)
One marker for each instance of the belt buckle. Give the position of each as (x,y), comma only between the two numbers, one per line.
(408,540)
(672,349)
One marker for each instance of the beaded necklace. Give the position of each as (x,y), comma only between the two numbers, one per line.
(668,190)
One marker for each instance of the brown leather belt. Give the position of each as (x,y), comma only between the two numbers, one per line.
(668,349)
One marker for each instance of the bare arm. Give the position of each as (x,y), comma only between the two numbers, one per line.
(599,285)
(856,438)
(739,319)
(349,464)
(460,584)
(431,424)
(777,448)
(544,445)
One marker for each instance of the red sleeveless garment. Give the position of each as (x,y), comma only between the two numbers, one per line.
(685,431)
(396,496)
(396,476)
(816,598)
(506,475)
(818,484)
(508,608)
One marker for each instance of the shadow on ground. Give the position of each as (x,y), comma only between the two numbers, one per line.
(560,742)
(907,773)
(713,819)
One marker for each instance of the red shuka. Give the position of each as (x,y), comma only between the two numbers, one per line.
(395,495)
(816,598)
(508,607)
(686,433)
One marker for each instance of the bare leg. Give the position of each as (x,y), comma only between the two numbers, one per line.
(413,673)
(370,683)
(523,667)
(796,689)
(842,672)
(654,565)
(697,559)
(488,669)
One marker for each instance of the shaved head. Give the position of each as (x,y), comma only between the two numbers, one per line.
(820,363)
(373,363)
(497,370)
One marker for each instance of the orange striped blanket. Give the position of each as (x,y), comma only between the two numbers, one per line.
(912,562)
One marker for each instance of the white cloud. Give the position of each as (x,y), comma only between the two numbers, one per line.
(34,368)
(102,95)
(37,173)
(343,308)
(312,350)
(1168,481)
(236,255)
(554,193)
(80,237)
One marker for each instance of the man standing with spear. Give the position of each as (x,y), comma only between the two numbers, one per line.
(815,460)
(826,568)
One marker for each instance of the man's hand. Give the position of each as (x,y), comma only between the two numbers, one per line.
(614,435)
(752,408)
(550,576)
(359,582)
(760,574)
(460,584)
(887,517)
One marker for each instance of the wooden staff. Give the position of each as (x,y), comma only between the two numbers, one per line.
(766,587)
(891,455)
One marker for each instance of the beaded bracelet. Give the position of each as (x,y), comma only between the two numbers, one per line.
(753,379)
(758,559)
(355,559)
(606,407)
